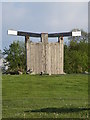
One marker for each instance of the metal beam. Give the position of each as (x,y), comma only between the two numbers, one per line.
(30,34)
(64,34)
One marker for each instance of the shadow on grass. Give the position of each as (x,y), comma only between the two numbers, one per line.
(59,110)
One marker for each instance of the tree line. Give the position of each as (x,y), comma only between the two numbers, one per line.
(75,55)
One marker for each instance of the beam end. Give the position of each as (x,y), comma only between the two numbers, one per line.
(76,33)
(12,32)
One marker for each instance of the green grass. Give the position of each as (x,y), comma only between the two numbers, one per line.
(26,96)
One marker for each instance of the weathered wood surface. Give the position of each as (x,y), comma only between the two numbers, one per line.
(46,57)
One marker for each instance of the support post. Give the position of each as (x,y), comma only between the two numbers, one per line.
(27,53)
(44,40)
(60,40)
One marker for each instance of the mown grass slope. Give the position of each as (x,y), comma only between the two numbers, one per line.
(34,96)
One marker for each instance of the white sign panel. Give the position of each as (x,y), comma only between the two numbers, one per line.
(77,33)
(12,32)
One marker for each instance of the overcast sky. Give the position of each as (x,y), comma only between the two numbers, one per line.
(42,17)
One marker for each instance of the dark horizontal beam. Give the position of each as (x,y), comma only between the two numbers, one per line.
(20,33)
(66,34)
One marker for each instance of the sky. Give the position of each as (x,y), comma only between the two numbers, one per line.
(42,17)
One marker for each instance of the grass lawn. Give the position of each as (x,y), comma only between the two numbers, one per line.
(35,96)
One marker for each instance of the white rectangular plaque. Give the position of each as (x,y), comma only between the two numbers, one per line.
(77,33)
(12,32)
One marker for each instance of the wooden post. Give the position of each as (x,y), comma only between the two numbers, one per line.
(27,53)
(62,52)
(44,40)
(60,40)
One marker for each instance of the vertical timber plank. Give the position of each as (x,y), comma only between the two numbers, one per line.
(27,49)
